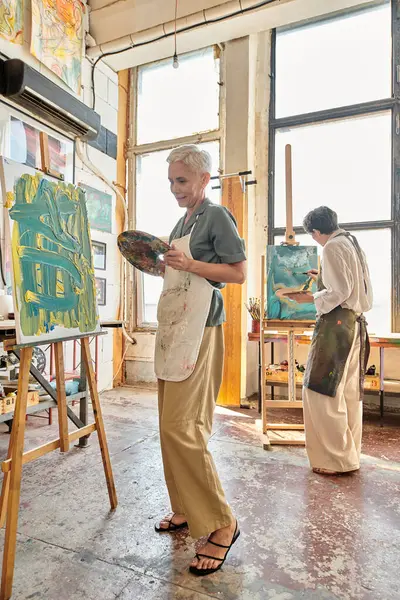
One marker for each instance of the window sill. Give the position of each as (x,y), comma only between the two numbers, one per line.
(151,328)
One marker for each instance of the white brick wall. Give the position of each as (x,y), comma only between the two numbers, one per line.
(106,86)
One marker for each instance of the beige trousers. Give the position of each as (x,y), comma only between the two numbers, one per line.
(186,412)
(333,426)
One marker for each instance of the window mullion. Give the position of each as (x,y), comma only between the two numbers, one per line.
(271,143)
(396,167)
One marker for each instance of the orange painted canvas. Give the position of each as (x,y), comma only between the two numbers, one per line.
(57,38)
(12,20)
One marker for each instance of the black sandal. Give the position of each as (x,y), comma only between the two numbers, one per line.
(171,526)
(201,572)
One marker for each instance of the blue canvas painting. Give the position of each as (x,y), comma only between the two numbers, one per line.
(287,268)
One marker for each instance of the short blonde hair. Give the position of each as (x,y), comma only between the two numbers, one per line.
(195,158)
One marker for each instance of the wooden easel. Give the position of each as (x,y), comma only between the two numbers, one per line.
(16,457)
(289,327)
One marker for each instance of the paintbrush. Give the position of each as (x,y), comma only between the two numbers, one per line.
(307,283)
(254,308)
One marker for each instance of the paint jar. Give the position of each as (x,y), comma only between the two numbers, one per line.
(255,326)
(6,304)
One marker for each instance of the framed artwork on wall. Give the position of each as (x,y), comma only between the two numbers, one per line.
(101,288)
(99,208)
(99,255)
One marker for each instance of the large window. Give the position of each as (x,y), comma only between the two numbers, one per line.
(174,107)
(332,100)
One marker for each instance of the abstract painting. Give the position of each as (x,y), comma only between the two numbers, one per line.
(57,38)
(99,207)
(12,20)
(52,262)
(287,268)
(25,148)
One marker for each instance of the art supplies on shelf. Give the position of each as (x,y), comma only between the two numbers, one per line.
(279,374)
(254,308)
(7,404)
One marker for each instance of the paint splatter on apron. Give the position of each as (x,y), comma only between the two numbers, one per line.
(182,315)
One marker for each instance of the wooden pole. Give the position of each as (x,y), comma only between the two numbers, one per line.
(262,348)
(44,151)
(233,382)
(5,488)
(15,476)
(122,138)
(61,397)
(290,236)
(45,157)
(291,367)
(99,423)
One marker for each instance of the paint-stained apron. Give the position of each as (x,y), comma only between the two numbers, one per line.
(182,315)
(332,342)
(330,348)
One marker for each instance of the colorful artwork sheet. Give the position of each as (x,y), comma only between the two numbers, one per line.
(12,20)
(57,38)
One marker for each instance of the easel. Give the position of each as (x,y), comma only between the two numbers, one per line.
(16,457)
(288,326)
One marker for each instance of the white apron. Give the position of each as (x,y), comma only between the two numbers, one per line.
(182,315)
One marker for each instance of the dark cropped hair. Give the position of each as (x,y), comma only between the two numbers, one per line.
(323,219)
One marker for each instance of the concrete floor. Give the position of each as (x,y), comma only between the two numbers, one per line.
(303,535)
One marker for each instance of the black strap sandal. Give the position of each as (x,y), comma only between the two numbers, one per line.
(200,572)
(171,526)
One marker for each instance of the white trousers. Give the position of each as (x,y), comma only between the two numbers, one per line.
(333,426)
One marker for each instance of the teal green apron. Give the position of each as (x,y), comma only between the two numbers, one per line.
(331,344)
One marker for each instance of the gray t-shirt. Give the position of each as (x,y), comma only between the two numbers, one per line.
(215,239)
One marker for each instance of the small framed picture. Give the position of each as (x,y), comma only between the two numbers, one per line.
(99,255)
(101,287)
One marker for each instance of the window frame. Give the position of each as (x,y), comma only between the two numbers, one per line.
(136,304)
(339,113)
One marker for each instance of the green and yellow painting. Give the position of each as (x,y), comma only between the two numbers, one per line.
(12,20)
(287,268)
(52,261)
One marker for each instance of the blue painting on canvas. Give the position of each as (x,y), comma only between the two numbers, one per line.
(286,268)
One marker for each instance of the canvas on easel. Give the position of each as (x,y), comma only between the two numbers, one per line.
(287,268)
(53,271)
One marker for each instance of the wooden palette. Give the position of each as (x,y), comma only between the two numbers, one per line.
(143,251)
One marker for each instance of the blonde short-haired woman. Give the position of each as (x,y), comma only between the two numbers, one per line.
(207,252)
